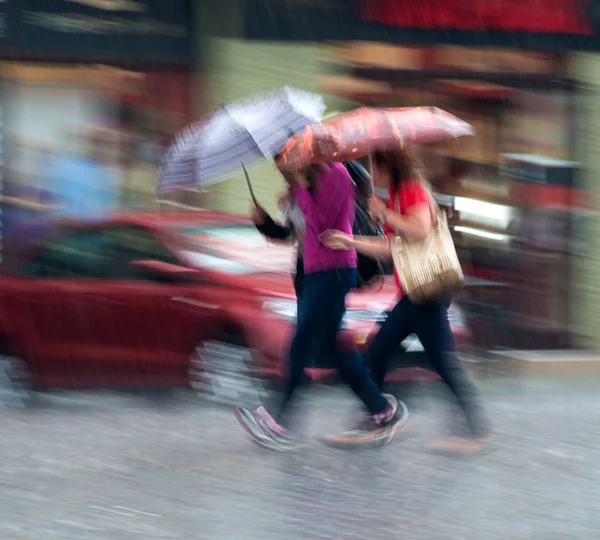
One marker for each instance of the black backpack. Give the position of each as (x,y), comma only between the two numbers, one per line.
(364,225)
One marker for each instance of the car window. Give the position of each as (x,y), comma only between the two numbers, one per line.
(129,243)
(102,253)
(80,254)
(134,243)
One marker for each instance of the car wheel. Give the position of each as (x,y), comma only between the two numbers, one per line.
(223,371)
(15,382)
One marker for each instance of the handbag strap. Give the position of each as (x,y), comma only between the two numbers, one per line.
(434,207)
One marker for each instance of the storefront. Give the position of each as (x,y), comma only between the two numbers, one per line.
(115,70)
(521,105)
(545,25)
(522,187)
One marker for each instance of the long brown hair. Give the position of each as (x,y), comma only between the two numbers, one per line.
(312,176)
(401,165)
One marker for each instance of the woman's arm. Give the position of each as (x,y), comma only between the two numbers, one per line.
(275,231)
(415,224)
(377,247)
(372,246)
(268,227)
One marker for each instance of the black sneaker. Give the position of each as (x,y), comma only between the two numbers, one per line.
(264,430)
(376,430)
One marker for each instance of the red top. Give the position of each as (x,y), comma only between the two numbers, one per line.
(411,192)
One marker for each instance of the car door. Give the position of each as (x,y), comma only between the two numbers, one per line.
(47,318)
(142,335)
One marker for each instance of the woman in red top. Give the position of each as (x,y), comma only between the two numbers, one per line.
(410,213)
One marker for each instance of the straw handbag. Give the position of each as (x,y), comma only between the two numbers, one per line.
(428,268)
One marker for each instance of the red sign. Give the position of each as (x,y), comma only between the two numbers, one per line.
(165,91)
(536,16)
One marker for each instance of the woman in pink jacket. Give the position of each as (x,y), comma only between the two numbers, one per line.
(326,196)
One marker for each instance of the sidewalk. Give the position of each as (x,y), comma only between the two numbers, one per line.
(118,471)
(558,363)
(512,363)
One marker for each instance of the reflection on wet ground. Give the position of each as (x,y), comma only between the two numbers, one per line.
(114,467)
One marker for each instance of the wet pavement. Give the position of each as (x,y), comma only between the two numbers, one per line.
(116,467)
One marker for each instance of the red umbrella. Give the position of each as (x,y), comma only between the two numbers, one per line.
(355,134)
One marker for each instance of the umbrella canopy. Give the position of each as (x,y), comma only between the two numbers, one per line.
(355,134)
(235,135)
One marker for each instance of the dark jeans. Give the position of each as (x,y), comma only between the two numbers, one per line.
(299,276)
(430,324)
(322,306)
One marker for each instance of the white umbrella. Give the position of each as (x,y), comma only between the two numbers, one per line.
(235,135)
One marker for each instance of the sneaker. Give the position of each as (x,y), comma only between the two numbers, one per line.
(275,429)
(379,429)
(263,429)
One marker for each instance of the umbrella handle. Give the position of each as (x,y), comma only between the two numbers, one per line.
(370,171)
(250,186)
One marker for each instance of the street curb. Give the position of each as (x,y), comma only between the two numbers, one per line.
(558,363)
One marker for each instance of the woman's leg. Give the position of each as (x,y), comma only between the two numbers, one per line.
(332,290)
(263,427)
(300,302)
(393,331)
(433,330)
(302,343)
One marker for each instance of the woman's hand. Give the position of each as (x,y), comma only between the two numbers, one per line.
(378,207)
(257,214)
(337,240)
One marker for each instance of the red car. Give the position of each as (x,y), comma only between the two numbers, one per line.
(152,300)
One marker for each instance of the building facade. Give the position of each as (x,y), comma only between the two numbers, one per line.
(533,91)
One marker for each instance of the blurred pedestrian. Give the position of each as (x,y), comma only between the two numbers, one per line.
(84,184)
(291,228)
(410,212)
(326,196)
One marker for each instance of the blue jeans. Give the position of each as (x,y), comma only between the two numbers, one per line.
(322,305)
(430,324)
